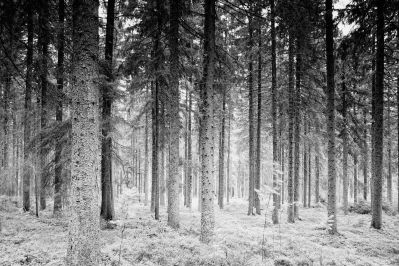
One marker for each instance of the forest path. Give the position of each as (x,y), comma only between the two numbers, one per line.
(140,240)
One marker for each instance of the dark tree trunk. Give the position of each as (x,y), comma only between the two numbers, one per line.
(291,216)
(305,164)
(276,186)
(331,207)
(206,117)
(173,181)
(107,199)
(27,112)
(251,131)
(221,151)
(44,40)
(189,153)
(317,167)
(297,101)
(58,116)
(389,150)
(355,182)
(344,141)
(378,116)
(309,171)
(146,161)
(259,117)
(228,157)
(365,156)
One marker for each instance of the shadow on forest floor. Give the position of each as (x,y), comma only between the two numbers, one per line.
(239,239)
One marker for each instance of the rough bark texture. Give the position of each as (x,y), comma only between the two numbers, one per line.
(251,132)
(84,245)
(221,152)
(60,85)
(189,154)
(344,144)
(290,209)
(228,157)
(173,182)
(317,167)
(206,117)
(378,118)
(355,183)
(27,113)
(146,161)
(259,118)
(107,199)
(331,207)
(276,186)
(365,157)
(297,100)
(44,40)
(305,164)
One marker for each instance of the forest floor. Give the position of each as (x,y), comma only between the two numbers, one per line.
(138,239)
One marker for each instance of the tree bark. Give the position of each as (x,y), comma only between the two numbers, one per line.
(107,199)
(378,117)
(331,205)
(221,152)
(206,117)
(365,156)
(344,142)
(305,164)
(355,182)
(251,132)
(173,182)
(297,101)
(276,186)
(60,85)
(27,113)
(83,244)
(290,209)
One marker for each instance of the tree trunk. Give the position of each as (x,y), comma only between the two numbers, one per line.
(355,183)
(276,185)
(259,117)
(146,183)
(317,166)
(251,133)
(344,142)
(309,171)
(107,199)
(305,164)
(332,206)
(44,40)
(365,156)
(228,157)
(206,117)
(84,245)
(297,101)
(173,182)
(389,151)
(291,216)
(221,151)
(189,153)
(60,85)
(378,117)
(27,113)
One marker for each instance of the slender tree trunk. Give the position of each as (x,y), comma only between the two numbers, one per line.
(298,74)
(173,182)
(259,118)
(44,40)
(146,183)
(84,245)
(276,186)
(107,199)
(27,113)
(317,166)
(344,143)
(365,156)
(228,157)
(305,164)
(291,113)
(221,151)
(309,171)
(206,117)
(332,206)
(378,117)
(397,102)
(355,182)
(389,151)
(60,85)
(189,154)
(251,187)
